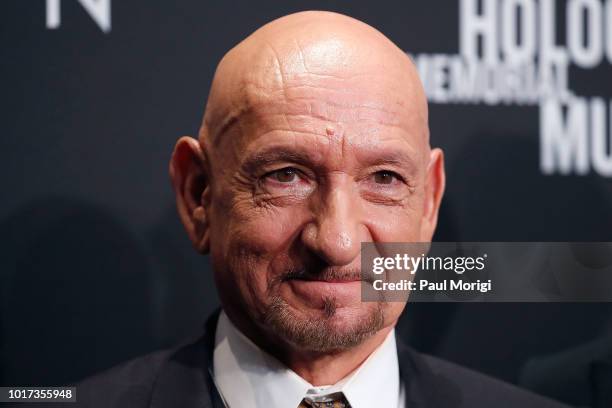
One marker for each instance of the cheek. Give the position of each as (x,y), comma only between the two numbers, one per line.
(396,223)
(248,246)
(265,232)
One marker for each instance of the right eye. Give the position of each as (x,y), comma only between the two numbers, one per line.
(285,175)
(288,181)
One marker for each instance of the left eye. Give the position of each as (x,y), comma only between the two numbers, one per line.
(286,175)
(385,177)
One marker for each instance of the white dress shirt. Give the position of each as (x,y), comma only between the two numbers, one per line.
(248,377)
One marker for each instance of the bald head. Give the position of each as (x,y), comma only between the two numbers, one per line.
(323,64)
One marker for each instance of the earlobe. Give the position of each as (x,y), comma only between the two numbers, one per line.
(200,220)
(189,180)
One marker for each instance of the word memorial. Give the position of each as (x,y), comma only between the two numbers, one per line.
(509,54)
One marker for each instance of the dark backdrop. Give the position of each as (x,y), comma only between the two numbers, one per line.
(94,266)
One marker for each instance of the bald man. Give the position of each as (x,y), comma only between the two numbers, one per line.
(315,139)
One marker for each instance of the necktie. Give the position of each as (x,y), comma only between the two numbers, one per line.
(335,400)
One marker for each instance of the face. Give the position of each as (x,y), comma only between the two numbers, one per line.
(311,168)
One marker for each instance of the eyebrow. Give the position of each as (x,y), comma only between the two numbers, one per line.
(386,156)
(276,154)
(374,157)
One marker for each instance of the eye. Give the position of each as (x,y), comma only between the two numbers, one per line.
(285,175)
(386,177)
(286,182)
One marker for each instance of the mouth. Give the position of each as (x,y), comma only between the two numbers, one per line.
(328,280)
(328,275)
(316,291)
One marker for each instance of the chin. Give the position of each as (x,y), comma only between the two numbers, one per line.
(324,329)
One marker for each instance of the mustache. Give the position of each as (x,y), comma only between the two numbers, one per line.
(329,273)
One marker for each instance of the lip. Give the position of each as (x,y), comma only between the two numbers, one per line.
(330,280)
(315,292)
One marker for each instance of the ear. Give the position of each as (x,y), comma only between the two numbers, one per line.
(434,189)
(189,176)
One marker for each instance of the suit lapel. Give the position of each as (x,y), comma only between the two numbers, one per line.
(423,387)
(184,381)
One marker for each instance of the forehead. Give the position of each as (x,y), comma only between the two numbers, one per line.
(363,109)
(300,92)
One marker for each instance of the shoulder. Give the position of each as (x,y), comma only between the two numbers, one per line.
(173,377)
(129,384)
(457,386)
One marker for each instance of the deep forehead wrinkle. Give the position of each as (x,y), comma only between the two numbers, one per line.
(307,109)
(325,104)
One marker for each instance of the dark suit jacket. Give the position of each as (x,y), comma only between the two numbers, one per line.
(581,375)
(181,378)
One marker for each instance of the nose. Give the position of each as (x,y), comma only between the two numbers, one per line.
(334,234)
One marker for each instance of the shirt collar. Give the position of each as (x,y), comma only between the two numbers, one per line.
(248,377)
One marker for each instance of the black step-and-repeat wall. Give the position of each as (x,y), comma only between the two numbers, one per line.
(95,268)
